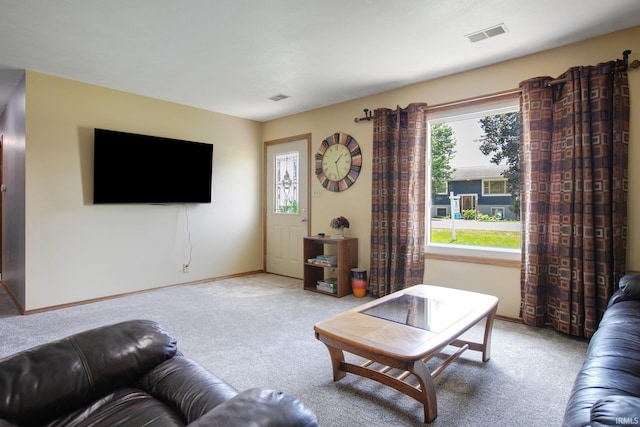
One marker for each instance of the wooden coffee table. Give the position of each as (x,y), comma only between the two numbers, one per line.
(402,331)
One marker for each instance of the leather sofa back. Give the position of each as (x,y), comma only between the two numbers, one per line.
(41,384)
(608,384)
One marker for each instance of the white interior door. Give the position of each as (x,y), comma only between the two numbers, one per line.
(287,205)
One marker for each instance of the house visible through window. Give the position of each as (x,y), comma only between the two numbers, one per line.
(474,171)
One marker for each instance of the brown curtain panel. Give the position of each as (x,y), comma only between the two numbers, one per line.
(573,159)
(398,199)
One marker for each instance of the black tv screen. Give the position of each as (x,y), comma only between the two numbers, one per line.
(132,168)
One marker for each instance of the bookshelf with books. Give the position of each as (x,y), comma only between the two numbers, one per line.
(328,263)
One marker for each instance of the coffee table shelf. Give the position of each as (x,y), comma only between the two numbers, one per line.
(346,252)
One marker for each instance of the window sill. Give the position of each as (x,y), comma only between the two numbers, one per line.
(487,256)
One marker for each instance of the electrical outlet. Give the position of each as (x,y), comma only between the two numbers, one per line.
(185,268)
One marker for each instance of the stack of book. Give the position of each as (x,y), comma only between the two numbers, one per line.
(328,285)
(324,260)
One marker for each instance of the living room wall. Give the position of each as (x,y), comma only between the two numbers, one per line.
(74,251)
(77,251)
(501,281)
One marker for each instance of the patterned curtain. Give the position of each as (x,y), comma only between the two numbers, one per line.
(573,158)
(398,199)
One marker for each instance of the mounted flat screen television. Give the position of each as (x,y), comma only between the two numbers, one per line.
(132,168)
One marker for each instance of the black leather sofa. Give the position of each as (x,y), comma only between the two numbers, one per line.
(131,374)
(606,391)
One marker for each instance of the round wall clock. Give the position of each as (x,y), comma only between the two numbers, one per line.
(338,162)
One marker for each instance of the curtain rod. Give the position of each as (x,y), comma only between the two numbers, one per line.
(494,97)
(625,67)
(368,115)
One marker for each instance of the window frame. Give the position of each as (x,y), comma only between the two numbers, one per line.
(494,209)
(446,212)
(502,180)
(502,102)
(446,190)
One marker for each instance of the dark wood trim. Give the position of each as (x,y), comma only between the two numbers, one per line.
(1,195)
(510,319)
(13,298)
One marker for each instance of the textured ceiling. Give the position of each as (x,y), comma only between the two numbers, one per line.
(230,56)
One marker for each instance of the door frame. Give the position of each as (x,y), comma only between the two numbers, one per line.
(1,198)
(265,145)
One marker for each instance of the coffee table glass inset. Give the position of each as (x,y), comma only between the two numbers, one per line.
(403,331)
(430,314)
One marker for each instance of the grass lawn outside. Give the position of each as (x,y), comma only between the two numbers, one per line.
(491,238)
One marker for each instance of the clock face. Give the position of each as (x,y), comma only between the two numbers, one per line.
(338,162)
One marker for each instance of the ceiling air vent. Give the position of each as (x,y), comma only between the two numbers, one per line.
(486,33)
(279,97)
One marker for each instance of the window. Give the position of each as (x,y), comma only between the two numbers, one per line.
(497,213)
(441,187)
(474,157)
(286,183)
(493,187)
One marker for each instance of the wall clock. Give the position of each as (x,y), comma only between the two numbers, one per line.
(338,162)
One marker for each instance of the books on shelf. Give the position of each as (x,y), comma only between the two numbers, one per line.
(328,285)
(324,260)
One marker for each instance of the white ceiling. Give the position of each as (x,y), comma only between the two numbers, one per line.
(230,56)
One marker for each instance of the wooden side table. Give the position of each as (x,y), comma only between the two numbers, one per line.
(346,259)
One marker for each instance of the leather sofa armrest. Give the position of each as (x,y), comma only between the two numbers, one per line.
(618,296)
(185,386)
(616,411)
(628,289)
(630,285)
(259,407)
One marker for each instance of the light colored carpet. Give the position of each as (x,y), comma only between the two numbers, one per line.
(258,331)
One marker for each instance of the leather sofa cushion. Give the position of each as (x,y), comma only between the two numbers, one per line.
(616,411)
(42,384)
(125,407)
(612,364)
(187,387)
(259,407)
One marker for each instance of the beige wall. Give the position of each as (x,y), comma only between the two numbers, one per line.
(77,251)
(355,202)
(74,251)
